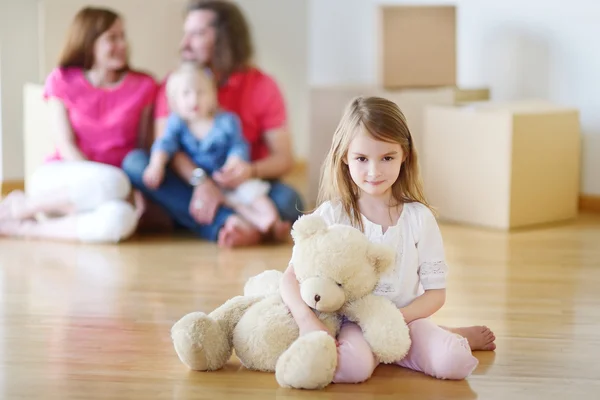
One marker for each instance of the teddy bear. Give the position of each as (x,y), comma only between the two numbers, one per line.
(337,268)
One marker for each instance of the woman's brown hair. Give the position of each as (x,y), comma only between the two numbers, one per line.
(233,45)
(89,24)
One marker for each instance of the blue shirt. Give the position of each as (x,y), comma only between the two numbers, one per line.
(211,152)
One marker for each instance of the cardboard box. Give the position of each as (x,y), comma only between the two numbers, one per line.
(503,165)
(417,46)
(327,105)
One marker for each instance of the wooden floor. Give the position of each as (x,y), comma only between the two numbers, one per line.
(92,322)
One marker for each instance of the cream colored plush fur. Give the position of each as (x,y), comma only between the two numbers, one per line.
(337,268)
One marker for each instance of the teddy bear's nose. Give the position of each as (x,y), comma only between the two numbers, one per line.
(317,298)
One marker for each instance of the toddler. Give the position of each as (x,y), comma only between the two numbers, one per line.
(214,141)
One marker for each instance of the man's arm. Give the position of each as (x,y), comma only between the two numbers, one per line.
(281,159)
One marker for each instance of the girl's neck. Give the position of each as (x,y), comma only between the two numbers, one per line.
(382,210)
(102,77)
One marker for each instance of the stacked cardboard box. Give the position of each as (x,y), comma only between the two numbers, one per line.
(484,163)
(503,165)
(417,64)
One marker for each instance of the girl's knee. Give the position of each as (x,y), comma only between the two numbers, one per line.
(356,362)
(112,222)
(456,363)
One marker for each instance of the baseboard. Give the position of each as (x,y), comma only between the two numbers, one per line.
(8,186)
(589,203)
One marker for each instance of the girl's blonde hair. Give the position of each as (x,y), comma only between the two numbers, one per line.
(384,121)
(186,74)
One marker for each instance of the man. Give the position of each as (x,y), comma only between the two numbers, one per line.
(217,36)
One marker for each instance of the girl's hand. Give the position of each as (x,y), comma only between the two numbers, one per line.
(153,176)
(303,315)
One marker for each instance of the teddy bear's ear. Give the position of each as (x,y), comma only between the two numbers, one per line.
(381,256)
(307,226)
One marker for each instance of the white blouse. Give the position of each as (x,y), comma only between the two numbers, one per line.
(420,260)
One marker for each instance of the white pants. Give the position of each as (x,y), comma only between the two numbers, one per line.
(98,192)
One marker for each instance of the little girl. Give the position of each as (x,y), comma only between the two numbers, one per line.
(213,140)
(371,181)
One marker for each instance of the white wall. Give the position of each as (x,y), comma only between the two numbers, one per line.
(518,48)
(279,29)
(19,59)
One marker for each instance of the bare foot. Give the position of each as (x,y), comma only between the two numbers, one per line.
(16,227)
(479,337)
(12,206)
(281,231)
(238,233)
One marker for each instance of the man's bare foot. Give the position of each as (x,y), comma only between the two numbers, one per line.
(238,233)
(281,231)
(479,337)
(13,205)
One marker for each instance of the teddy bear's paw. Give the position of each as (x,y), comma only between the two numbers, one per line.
(200,342)
(309,363)
(264,284)
(389,345)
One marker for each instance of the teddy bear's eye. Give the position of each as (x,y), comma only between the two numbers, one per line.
(339,285)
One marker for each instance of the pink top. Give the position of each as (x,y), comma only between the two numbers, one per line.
(105,121)
(255,98)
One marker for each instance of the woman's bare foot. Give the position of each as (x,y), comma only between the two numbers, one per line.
(479,337)
(238,233)
(12,206)
(16,227)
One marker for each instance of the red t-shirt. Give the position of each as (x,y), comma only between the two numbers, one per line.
(255,97)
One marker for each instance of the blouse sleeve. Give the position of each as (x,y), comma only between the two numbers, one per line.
(430,248)
(238,144)
(169,140)
(55,85)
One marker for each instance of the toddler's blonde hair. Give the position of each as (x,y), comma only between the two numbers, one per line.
(187,74)
(383,120)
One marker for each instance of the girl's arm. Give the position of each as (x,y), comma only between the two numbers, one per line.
(62,131)
(290,292)
(425,305)
(432,269)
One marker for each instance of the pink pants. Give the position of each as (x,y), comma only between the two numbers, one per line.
(434,351)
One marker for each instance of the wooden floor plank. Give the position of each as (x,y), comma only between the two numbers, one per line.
(93,322)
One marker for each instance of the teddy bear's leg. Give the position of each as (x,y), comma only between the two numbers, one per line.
(204,342)
(309,363)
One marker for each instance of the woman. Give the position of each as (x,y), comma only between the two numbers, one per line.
(100,110)
(217,37)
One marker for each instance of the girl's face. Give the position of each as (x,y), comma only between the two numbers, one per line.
(374,165)
(196,99)
(110,49)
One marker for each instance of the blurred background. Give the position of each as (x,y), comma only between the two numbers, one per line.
(482,50)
